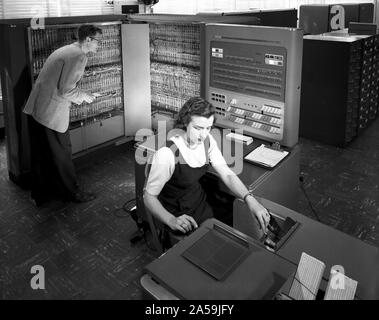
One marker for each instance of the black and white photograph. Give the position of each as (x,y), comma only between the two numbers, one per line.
(189,155)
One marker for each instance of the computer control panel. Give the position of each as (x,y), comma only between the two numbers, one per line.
(253,79)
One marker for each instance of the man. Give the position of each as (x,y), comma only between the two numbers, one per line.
(48,107)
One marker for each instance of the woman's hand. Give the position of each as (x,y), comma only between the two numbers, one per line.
(183,223)
(259,211)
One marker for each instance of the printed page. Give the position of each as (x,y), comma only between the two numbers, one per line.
(266,156)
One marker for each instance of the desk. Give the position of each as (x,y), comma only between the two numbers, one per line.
(259,276)
(279,184)
(359,259)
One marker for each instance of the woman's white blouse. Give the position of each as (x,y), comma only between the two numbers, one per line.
(163,161)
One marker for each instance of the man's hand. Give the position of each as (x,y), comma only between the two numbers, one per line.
(183,223)
(89,98)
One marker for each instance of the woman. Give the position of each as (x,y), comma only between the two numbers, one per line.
(173,193)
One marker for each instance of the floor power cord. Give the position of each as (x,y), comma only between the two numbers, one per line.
(129,208)
(301,179)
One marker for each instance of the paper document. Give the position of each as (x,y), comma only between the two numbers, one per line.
(266,156)
(239,137)
(340,287)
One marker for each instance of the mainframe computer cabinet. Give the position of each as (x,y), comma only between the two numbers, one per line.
(119,72)
(178,64)
(131,86)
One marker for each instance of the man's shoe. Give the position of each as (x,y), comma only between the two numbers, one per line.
(39,198)
(39,202)
(82,196)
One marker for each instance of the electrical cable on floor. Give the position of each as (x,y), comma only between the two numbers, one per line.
(128,209)
(301,179)
(125,209)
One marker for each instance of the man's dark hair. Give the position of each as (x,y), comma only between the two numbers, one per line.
(87,30)
(194,106)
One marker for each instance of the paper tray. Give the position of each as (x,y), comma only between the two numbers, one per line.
(266,157)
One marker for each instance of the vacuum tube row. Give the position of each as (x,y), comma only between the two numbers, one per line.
(176,44)
(175,64)
(170,81)
(105,106)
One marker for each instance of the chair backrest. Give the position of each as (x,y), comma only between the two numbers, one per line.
(156,226)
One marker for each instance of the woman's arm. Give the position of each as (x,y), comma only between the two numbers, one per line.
(235,185)
(183,223)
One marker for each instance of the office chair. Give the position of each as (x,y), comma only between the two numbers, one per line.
(162,236)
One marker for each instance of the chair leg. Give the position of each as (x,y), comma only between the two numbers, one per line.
(154,232)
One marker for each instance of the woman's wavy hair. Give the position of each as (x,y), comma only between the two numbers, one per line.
(194,106)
